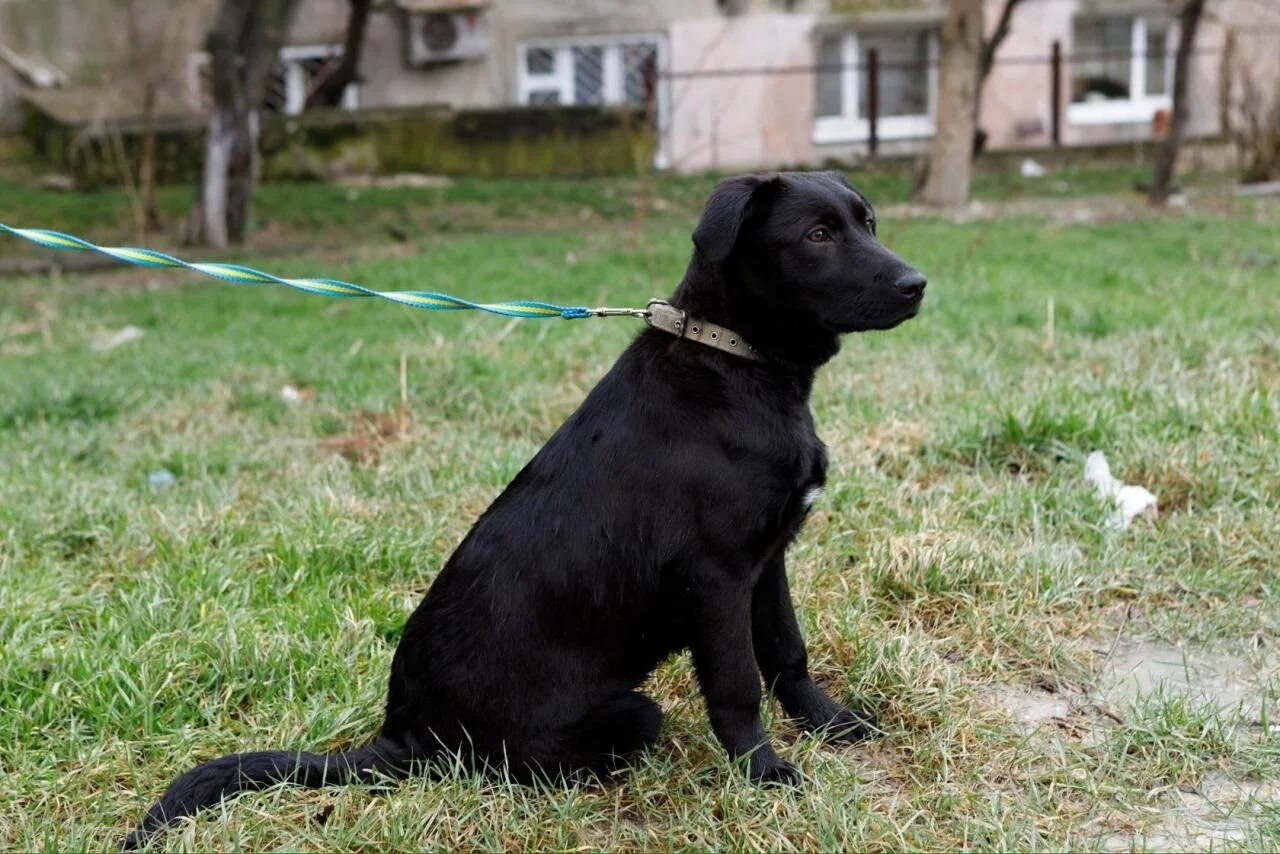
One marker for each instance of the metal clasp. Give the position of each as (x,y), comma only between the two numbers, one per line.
(620,312)
(663,315)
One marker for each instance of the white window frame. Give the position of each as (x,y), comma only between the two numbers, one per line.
(295,79)
(851,125)
(561,77)
(1139,107)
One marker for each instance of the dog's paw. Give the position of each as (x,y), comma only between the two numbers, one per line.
(774,771)
(840,724)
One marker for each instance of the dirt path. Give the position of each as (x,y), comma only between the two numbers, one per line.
(1218,812)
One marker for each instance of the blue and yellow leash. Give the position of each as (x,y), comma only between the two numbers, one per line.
(525,309)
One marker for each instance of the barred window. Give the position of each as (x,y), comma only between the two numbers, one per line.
(589,71)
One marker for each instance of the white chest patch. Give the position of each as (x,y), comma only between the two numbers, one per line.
(811,495)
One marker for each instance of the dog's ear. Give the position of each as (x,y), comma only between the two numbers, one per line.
(733,202)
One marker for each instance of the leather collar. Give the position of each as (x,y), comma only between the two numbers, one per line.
(661,314)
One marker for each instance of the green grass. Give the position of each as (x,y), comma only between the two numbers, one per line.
(256,603)
(291,215)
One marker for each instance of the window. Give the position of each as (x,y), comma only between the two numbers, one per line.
(1121,68)
(299,71)
(607,70)
(297,74)
(907,87)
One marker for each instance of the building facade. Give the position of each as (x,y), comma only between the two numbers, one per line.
(731,84)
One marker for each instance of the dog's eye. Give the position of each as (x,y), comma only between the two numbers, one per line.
(871,224)
(818,235)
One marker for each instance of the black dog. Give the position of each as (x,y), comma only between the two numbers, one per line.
(654,520)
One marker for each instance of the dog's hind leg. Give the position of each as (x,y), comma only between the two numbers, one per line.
(615,730)
(600,741)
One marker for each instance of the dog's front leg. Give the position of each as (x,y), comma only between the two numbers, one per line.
(780,652)
(729,678)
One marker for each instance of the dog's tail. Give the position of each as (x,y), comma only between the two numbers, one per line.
(216,780)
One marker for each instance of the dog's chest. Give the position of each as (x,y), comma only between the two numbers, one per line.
(810,495)
(812,477)
(760,488)
(807,477)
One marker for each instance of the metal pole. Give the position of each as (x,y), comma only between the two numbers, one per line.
(1055,94)
(873,101)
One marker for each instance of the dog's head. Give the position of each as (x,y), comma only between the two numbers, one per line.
(800,250)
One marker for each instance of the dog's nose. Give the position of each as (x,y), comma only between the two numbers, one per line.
(911,284)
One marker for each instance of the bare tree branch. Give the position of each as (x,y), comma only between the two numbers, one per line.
(986,60)
(1162,182)
(329,91)
(989,47)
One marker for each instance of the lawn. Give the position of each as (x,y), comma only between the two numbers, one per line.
(292,216)
(958,577)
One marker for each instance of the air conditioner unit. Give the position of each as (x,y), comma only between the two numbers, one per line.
(447,35)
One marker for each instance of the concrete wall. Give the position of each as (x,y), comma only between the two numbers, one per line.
(90,38)
(388,82)
(1252,85)
(724,122)
(492,81)
(740,121)
(747,122)
(89,41)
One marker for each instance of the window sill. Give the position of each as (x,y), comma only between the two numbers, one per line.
(1117,112)
(835,129)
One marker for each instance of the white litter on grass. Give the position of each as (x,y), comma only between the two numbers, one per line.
(295,395)
(1131,501)
(161,479)
(1032,169)
(119,338)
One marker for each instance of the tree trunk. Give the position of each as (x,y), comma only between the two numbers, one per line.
(209,220)
(147,160)
(329,92)
(1167,159)
(143,73)
(243,46)
(950,160)
(986,59)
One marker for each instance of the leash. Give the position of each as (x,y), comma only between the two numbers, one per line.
(659,314)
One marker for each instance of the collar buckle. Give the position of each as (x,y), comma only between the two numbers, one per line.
(665,316)
(661,314)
